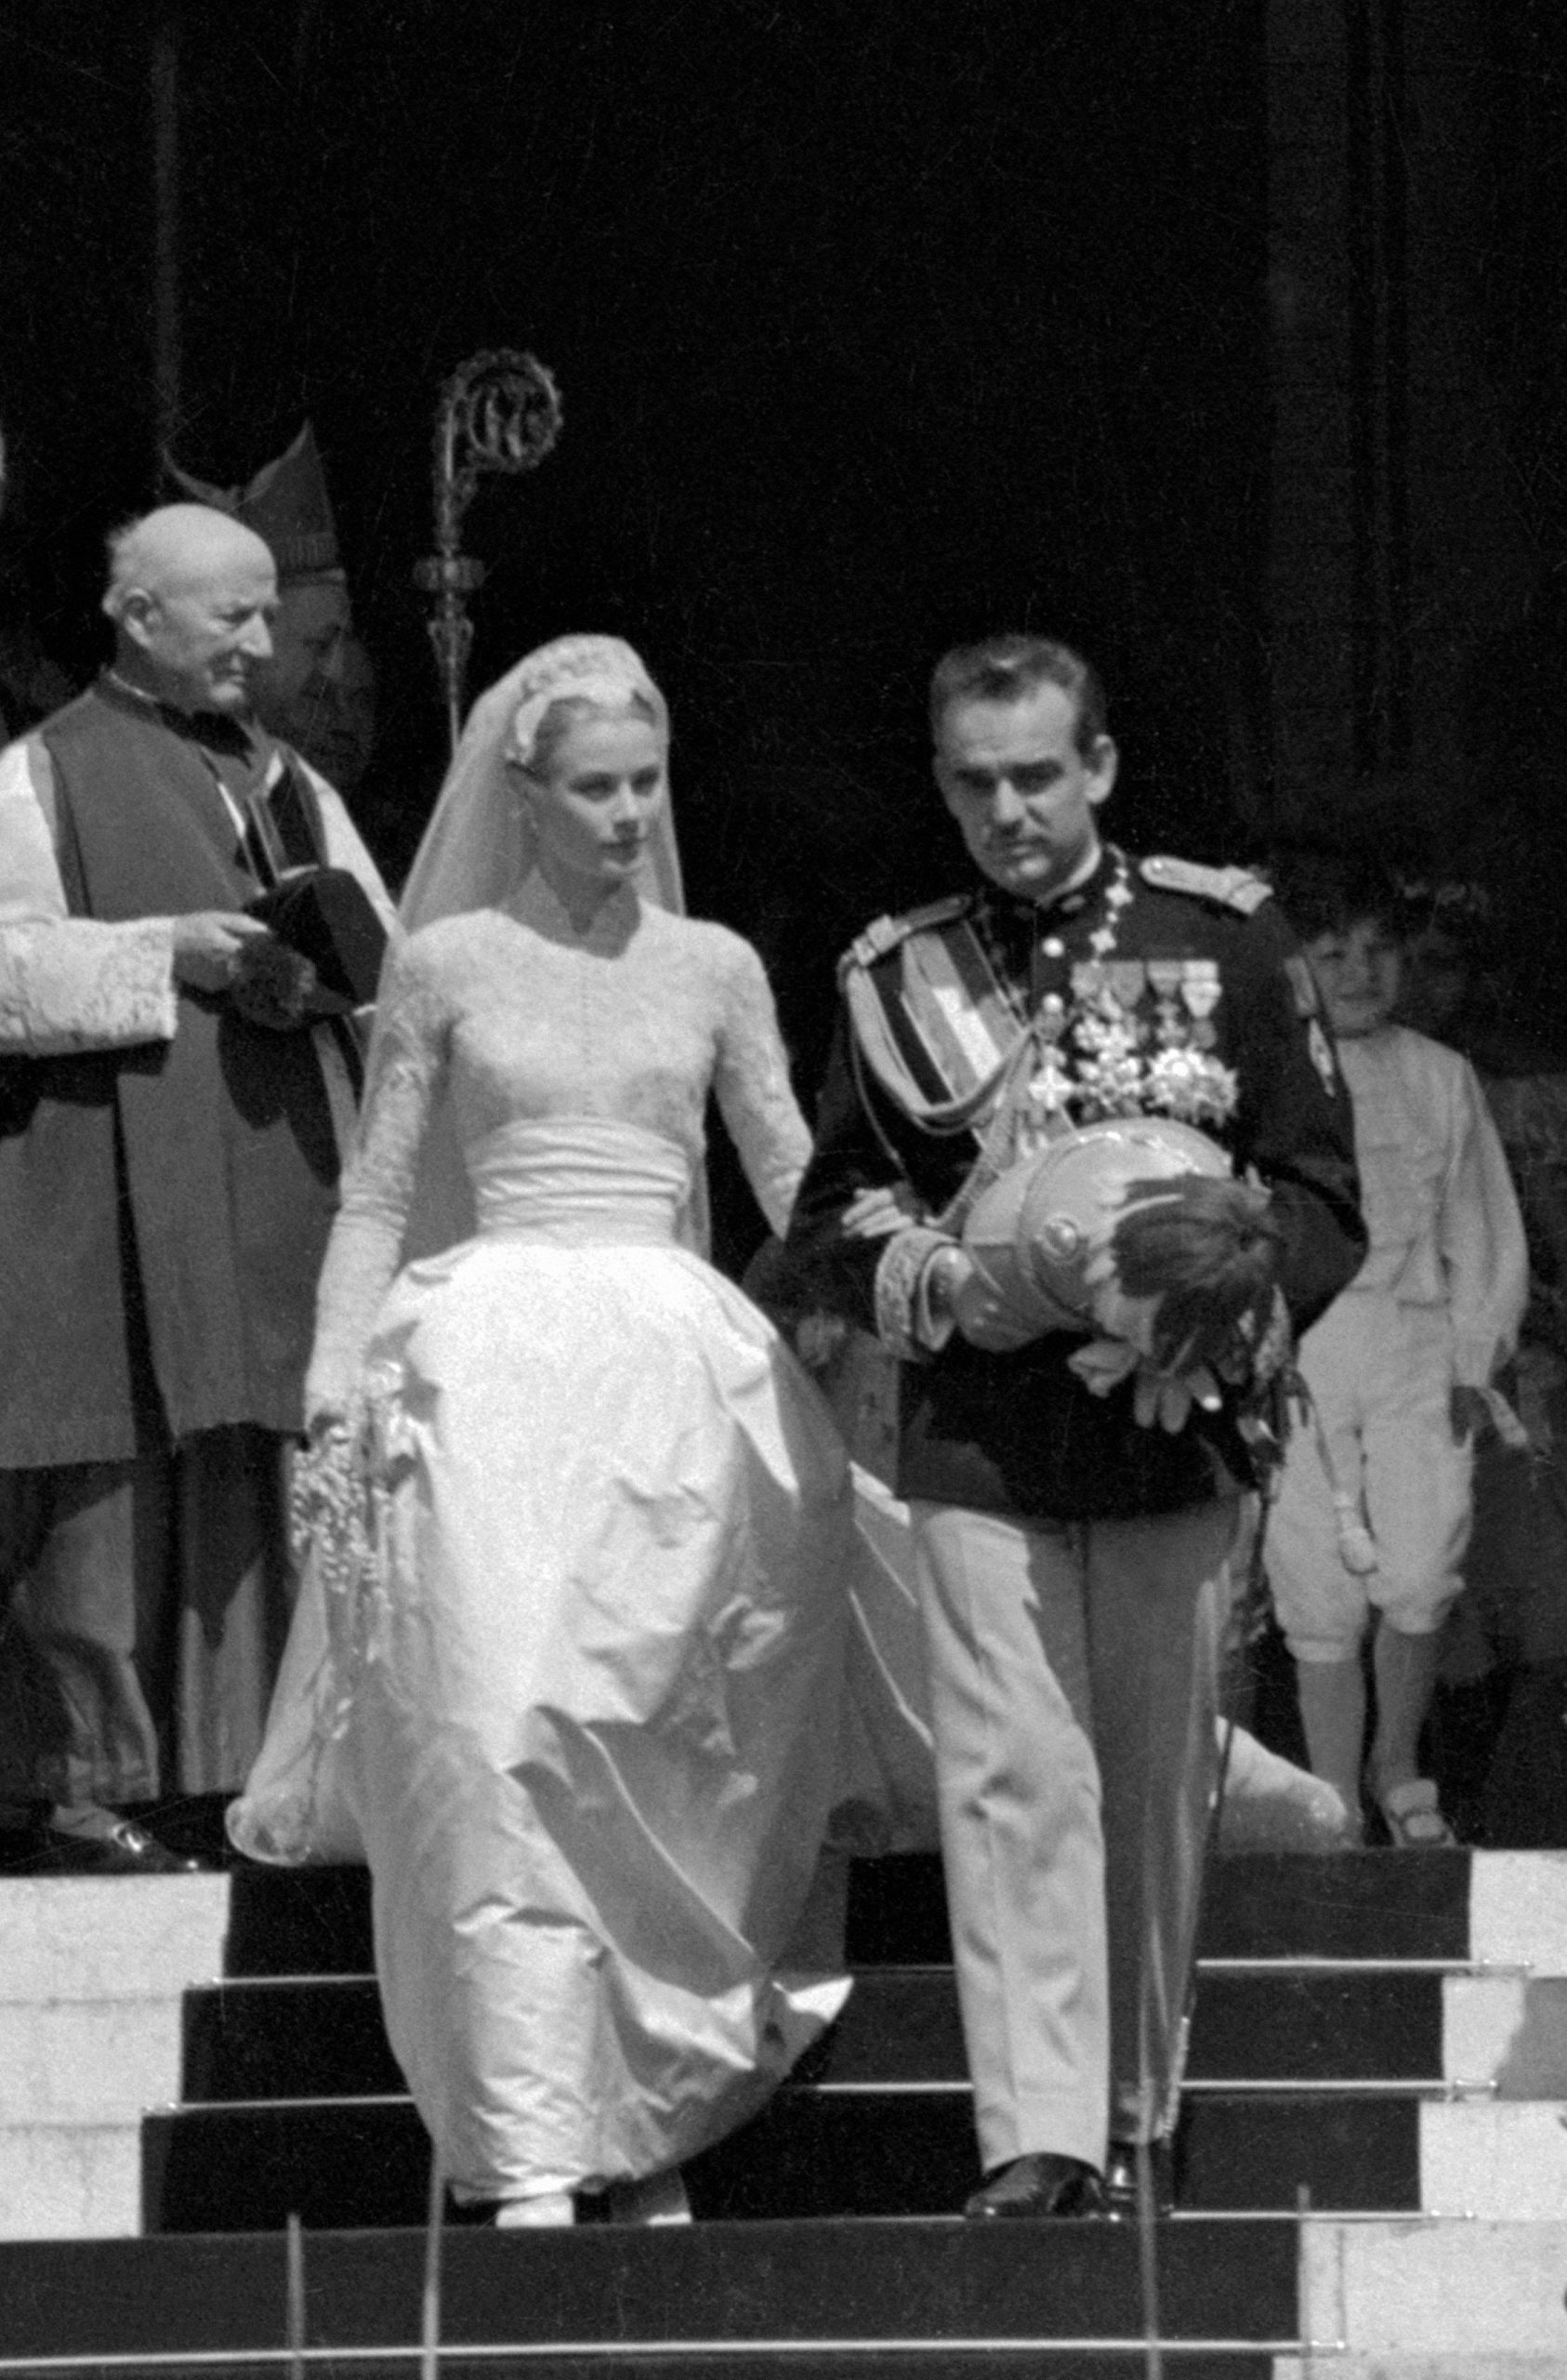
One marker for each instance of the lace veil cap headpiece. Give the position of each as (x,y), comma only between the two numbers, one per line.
(478,844)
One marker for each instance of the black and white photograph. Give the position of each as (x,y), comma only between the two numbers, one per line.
(784,1189)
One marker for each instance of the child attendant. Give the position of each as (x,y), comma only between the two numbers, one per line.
(1398,1367)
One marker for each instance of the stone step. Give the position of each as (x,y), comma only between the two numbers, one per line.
(103,1937)
(1495,2162)
(110,1937)
(71,2178)
(1500,1907)
(896,2283)
(1349,1905)
(1435,2288)
(75,2061)
(1465,2364)
(95,1938)
(813,2154)
(715,2359)
(1408,2300)
(816,2153)
(265,2038)
(763,2359)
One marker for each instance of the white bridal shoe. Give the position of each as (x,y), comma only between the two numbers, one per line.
(550,2208)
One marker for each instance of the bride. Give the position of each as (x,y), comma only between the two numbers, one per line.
(565,1670)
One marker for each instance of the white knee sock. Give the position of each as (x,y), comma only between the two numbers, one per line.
(1333,1714)
(1405,1669)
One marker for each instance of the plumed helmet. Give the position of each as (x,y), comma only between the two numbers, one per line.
(1039,1229)
(1135,1228)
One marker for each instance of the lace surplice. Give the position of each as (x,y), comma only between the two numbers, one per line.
(507,1014)
(67,983)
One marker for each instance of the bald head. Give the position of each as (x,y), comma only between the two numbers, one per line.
(164,550)
(191,594)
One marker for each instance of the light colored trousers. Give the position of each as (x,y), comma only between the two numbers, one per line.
(1073,1681)
(1382,1375)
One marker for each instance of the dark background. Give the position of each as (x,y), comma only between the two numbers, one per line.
(876,328)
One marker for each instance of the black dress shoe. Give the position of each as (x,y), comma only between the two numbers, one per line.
(1121,2179)
(1042,2184)
(122,1848)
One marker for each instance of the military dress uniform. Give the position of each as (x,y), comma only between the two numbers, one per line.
(1071,1561)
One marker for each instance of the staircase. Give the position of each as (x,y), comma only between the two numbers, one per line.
(1372,2185)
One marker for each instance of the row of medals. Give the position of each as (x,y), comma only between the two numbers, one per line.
(1110,990)
(1178,985)
(1186,992)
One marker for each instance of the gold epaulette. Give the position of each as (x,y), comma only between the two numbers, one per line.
(1235,888)
(886,933)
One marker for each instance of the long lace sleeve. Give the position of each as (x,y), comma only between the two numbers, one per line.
(366,1249)
(755,1095)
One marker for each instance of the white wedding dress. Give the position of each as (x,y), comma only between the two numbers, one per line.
(568,1672)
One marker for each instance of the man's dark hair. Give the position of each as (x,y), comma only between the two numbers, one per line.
(1008,670)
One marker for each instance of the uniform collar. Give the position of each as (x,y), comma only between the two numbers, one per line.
(1016,912)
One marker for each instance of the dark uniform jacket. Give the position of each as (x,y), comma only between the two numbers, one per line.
(1019,1433)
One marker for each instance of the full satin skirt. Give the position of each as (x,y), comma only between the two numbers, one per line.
(583,1722)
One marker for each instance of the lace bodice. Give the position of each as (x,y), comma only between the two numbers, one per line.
(509,1014)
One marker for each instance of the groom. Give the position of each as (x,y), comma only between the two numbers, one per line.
(1071,1560)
